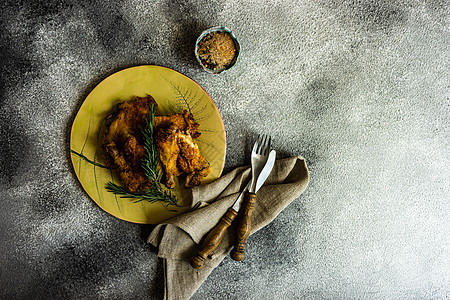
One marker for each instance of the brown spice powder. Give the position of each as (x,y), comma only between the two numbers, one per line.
(217,50)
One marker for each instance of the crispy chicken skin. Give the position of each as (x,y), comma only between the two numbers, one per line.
(132,176)
(177,150)
(129,119)
(174,137)
(190,160)
(184,121)
(167,146)
(121,143)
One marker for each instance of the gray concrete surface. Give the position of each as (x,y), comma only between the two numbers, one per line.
(359,88)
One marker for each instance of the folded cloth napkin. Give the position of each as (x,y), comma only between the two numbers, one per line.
(179,238)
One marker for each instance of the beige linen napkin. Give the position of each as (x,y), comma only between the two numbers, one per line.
(180,237)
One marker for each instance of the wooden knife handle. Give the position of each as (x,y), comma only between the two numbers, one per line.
(213,239)
(244,226)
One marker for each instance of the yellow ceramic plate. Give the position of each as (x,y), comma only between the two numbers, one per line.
(173,93)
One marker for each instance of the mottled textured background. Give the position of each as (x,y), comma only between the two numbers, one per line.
(359,88)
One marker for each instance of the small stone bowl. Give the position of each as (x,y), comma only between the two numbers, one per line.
(203,63)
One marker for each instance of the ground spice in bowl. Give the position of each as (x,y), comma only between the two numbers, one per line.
(217,50)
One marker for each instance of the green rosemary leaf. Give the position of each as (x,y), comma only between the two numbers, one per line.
(150,161)
(153,194)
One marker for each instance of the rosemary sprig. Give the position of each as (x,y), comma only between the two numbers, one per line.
(150,161)
(153,194)
(150,164)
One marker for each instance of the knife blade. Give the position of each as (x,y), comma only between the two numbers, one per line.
(214,237)
(265,172)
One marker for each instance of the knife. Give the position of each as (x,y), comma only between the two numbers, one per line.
(245,223)
(214,237)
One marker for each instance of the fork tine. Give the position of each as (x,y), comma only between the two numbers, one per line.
(262,150)
(261,143)
(255,146)
(268,145)
(258,144)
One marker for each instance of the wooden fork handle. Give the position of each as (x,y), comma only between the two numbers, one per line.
(213,239)
(244,226)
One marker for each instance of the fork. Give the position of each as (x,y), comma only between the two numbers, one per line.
(259,156)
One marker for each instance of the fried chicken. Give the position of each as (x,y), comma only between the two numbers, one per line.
(174,137)
(167,146)
(122,142)
(177,150)
(190,160)
(184,122)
